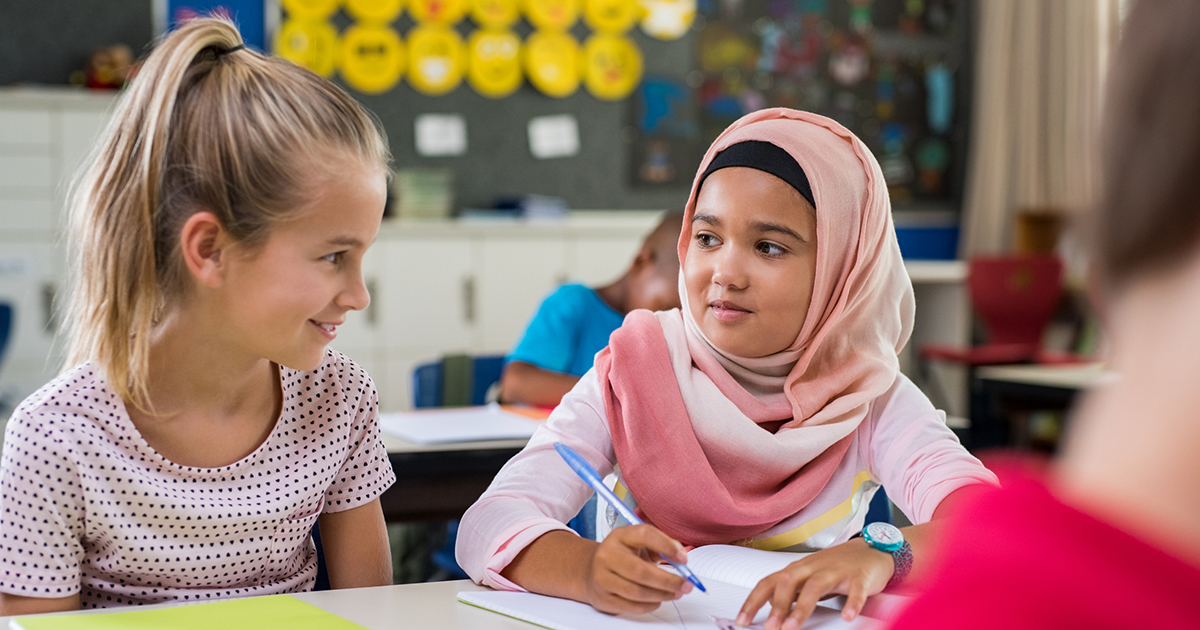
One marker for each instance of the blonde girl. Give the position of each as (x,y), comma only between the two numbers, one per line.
(766,412)
(202,427)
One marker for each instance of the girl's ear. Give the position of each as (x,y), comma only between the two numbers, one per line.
(203,242)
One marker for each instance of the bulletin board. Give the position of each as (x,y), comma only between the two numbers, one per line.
(671,106)
(895,72)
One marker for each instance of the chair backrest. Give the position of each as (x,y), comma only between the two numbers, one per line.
(456,380)
(6,318)
(1015,296)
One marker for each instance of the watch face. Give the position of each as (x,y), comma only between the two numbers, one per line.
(885,534)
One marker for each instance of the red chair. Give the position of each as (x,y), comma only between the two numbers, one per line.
(1015,296)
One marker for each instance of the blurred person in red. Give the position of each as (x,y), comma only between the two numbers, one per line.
(1108,536)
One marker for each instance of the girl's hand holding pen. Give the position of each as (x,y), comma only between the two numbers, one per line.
(852,568)
(622,575)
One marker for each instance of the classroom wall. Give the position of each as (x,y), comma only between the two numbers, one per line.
(43,41)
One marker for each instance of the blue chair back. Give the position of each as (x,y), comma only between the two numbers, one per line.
(428,390)
(428,380)
(6,320)
(880,509)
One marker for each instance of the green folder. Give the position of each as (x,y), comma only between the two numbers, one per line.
(272,611)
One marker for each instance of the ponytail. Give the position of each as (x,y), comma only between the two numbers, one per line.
(206,125)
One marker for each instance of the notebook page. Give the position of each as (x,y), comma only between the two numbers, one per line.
(695,611)
(745,567)
(740,566)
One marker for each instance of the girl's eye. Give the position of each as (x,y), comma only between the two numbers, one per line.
(706,240)
(334,258)
(770,249)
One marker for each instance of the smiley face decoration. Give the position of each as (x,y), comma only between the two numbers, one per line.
(494,69)
(372,57)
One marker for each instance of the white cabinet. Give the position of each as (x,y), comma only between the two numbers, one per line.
(43,136)
(425,290)
(515,274)
(596,260)
(459,287)
(30,277)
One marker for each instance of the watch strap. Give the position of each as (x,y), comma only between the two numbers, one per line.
(903,559)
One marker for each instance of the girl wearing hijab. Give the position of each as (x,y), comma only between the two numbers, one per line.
(766,412)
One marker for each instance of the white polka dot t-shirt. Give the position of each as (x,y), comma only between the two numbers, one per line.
(87,506)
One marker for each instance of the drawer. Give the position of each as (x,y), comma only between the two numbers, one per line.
(27,172)
(25,127)
(24,214)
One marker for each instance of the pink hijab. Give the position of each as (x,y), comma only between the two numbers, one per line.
(718,448)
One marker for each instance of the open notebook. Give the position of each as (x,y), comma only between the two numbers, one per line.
(728,572)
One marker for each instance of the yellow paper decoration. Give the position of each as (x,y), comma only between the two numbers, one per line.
(668,19)
(495,14)
(436,59)
(372,58)
(437,11)
(494,69)
(310,9)
(611,16)
(384,11)
(551,14)
(552,62)
(613,66)
(313,45)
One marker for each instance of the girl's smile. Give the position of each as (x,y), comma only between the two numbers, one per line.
(728,311)
(328,330)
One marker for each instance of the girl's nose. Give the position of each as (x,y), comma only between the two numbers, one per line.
(355,297)
(728,270)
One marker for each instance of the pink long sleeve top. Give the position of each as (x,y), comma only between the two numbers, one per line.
(902,445)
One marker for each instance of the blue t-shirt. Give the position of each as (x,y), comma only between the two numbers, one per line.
(570,327)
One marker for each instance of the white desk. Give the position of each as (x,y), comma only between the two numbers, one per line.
(415,606)
(1008,392)
(1074,377)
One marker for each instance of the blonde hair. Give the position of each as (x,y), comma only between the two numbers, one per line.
(206,125)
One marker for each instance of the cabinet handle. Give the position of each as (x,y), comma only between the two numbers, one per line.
(49,292)
(468,298)
(371,312)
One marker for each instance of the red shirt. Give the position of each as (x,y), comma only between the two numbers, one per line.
(1021,558)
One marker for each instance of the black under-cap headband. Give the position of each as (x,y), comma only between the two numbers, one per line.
(765,157)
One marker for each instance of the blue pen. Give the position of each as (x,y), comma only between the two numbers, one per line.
(589,474)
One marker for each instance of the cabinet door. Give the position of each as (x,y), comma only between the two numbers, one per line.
(515,275)
(426,293)
(599,260)
(29,280)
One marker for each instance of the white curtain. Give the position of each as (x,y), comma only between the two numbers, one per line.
(1039,75)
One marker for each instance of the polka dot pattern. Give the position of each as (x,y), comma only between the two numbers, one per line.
(86,505)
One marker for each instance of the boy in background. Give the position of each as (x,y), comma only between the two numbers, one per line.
(574,322)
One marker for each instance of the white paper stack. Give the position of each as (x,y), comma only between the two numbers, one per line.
(466,424)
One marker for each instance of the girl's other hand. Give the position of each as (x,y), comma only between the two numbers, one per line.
(623,576)
(853,568)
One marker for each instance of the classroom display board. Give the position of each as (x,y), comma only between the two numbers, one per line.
(895,72)
(569,44)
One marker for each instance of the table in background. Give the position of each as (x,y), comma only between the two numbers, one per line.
(440,481)
(1007,390)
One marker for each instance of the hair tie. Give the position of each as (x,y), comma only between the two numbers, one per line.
(221,53)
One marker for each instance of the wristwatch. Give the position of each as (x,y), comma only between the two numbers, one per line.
(885,537)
